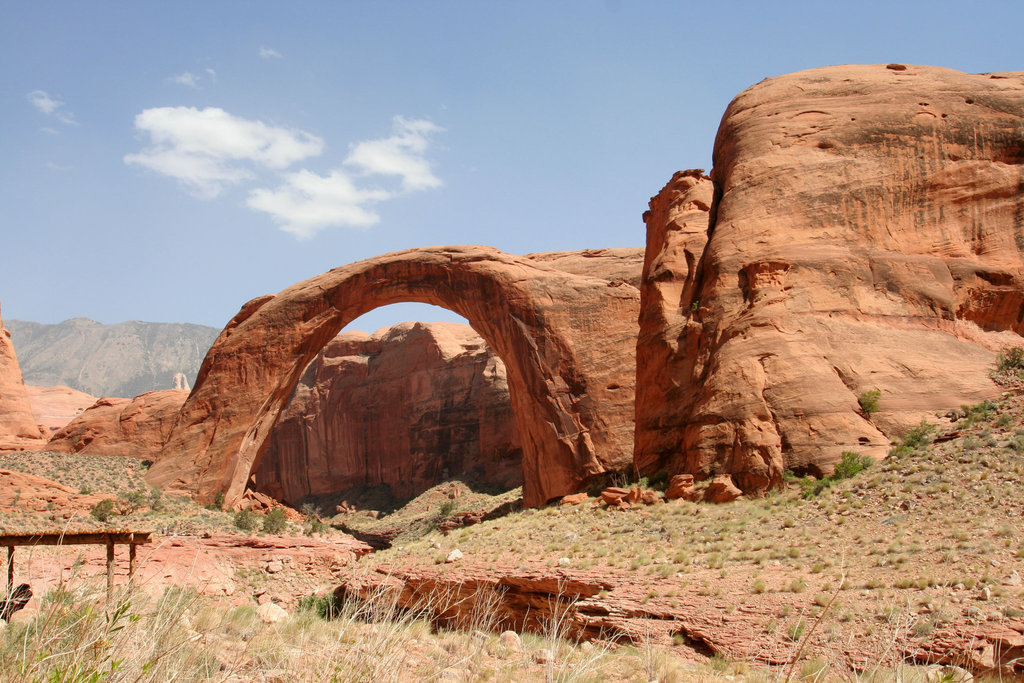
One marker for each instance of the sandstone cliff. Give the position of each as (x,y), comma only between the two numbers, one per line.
(125,359)
(129,427)
(409,407)
(55,407)
(865,234)
(19,429)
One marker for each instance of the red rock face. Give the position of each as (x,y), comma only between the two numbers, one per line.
(409,407)
(677,226)
(129,427)
(19,429)
(54,407)
(865,235)
(564,325)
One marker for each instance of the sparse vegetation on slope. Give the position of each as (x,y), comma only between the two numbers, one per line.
(882,566)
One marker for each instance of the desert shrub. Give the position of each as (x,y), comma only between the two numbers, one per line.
(850,465)
(218,502)
(447,508)
(136,499)
(812,488)
(275,522)
(794,632)
(103,510)
(917,437)
(324,606)
(245,520)
(659,480)
(1011,359)
(868,401)
(980,412)
(314,526)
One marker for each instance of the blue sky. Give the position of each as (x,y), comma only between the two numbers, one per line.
(170,161)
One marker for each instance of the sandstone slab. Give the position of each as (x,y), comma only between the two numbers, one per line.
(135,427)
(54,407)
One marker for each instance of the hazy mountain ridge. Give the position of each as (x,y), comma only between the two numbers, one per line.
(125,359)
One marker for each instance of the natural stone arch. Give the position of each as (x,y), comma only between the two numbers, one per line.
(563,324)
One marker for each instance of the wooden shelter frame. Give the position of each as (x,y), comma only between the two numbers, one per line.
(107,538)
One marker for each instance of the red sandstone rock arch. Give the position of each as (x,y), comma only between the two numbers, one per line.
(563,324)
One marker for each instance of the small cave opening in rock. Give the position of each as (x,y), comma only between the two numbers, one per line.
(412,415)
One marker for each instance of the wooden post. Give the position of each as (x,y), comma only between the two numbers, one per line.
(10,569)
(110,566)
(131,563)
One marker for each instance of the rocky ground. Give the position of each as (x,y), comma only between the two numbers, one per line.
(916,560)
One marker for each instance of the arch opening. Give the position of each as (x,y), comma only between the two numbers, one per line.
(378,419)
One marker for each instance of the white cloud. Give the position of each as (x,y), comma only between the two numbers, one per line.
(269,53)
(188,78)
(209,148)
(401,154)
(192,80)
(49,131)
(51,106)
(308,203)
(43,101)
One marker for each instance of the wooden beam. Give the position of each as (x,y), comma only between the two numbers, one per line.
(85,538)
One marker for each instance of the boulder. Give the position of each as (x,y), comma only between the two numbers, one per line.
(613,495)
(575,498)
(19,429)
(129,427)
(410,406)
(271,613)
(649,497)
(722,490)
(864,234)
(681,486)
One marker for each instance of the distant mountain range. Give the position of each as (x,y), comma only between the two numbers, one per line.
(126,359)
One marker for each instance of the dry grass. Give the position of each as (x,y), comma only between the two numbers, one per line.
(927,538)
